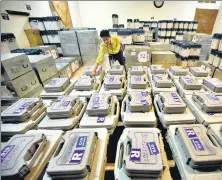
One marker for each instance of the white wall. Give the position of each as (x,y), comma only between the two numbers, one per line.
(209,5)
(218,22)
(17,24)
(75,13)
(99,13)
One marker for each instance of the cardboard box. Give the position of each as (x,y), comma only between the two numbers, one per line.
(218,74)
(163,57)
(34,37)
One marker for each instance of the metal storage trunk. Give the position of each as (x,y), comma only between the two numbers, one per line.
(44,65)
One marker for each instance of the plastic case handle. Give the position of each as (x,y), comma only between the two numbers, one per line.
(44,70)
(82,110)
(117,105)
(59,148)
(99,84)
(39,147)
(120,158)
(214,141)
(123,109)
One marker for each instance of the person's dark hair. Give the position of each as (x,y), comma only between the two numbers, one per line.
(104,33)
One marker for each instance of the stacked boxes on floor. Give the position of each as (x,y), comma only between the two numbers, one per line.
(171,109)
(195,151)
(74,62)
(44,66)
(88,44)
(85,86)
(21,116)
(69,43)
(49,49)
(203,39)
(206,107)
(57,87)
(19,76)
(138,154)
(137,110)
(102,111)
(64,113)
(137,56)
(169,30)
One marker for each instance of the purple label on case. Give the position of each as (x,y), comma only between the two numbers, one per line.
(190,132)
(111,79)
(5,151)
(135,154)
(77,156)
(65,103)
(118,67)
(95,105)
(53,82)
(144,102)
(175,97)
(96,99)
(210,114)
(144,93)
(137,78)
(152,148)
(189,80)
(159,77)
(212,97)
(81,142)
(197,144)
(25,105)
(100,119)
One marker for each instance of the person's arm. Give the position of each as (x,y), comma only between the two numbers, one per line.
(99,60)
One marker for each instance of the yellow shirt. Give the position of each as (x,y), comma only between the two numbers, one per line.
(112,48)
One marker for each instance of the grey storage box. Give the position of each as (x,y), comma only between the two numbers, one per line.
(138,154)
(67,165)
(163,57)
(162,81)
(171,103)
(24,84)
(137,110)
(186,171)
(44,65)
(88,49)
(21,110)
(85,83)
(208,102)
(99,104)
(68,37)
(14,65)
(57,85)
(113,82)
(189,83)
(136,70)
(19,154)
(64,70)
(178,71)
(75,62)
(116,70)
(70,50)
(198,71)
(198,147)
(138,82)
(213,84)
(157,69)
(139,102)
(87,36)
(63,107)
(137,56)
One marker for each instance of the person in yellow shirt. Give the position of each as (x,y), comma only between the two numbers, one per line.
(111,45)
